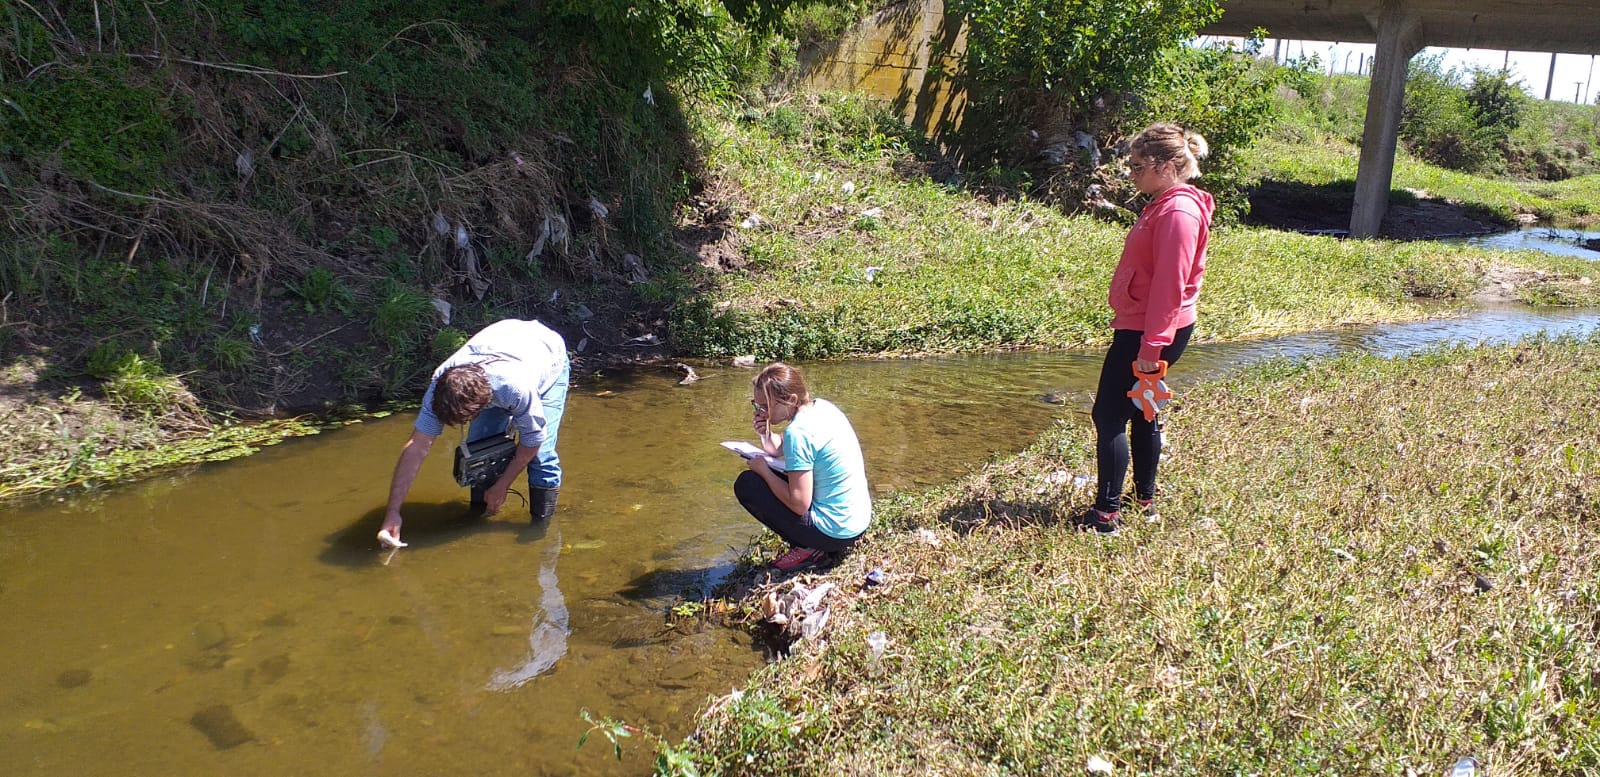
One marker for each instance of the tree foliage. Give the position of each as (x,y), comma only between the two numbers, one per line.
(1076,51)
(1459,119)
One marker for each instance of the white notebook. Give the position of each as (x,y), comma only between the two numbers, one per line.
(749,451)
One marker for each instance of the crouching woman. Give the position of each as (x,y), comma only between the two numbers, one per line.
(820,503)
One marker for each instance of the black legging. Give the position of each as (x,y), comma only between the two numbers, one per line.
(1113,410)
(757,497)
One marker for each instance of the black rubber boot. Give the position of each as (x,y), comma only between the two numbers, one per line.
(479,506)
(542,502)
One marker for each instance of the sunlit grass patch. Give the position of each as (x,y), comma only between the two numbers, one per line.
(1364,566)
(1322,160)
(858,251)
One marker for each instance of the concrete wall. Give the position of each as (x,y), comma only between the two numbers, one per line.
(906,54)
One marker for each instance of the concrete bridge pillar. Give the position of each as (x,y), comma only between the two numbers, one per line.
(1399,38)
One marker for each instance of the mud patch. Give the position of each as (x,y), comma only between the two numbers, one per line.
(1500,283)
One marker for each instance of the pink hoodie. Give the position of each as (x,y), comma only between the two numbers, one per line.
(1157,283)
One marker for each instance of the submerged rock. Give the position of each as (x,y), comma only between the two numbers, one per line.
(220,726)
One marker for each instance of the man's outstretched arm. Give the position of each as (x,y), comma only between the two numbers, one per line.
(405,473)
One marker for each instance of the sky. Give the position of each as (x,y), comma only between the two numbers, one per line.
(1572,78)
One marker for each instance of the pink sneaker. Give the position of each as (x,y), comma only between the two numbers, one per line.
(799,558)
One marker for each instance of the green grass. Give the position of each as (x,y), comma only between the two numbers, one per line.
(968,273)
(1321,159)
(1364,566)
(81,444)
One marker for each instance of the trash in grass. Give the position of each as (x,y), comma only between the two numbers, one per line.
(872,273)
(797,608)
(1466,766)
(1097,765)
(875,577)
(876,642)
(927,537)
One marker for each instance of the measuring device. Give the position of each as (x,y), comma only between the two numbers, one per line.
(1150,393)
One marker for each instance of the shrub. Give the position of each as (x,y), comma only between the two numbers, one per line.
(1439,124)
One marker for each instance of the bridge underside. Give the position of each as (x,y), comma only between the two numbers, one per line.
(1401,28)
(1566,26)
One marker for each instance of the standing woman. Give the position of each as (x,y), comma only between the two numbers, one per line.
(820,503)
(1153,298)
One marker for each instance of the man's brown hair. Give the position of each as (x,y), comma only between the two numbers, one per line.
(460,393)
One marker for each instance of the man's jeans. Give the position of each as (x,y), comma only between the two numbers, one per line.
(545,470)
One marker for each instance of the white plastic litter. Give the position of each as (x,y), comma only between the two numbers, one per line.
(388,540)
(876,642)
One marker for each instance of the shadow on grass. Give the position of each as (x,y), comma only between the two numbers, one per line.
(982,511)
(1326,208)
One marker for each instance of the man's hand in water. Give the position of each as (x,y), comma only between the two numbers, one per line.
(389,533)
(495,498)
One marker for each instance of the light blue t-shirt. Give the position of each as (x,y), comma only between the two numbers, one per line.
(820,439)
(523,360)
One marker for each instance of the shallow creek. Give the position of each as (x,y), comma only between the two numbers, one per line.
(238,618)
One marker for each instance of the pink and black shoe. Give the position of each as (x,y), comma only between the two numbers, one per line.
(799,558)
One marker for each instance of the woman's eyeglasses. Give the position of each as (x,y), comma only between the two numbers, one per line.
(1135,168)
(758,407)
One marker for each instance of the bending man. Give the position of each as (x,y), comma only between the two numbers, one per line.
(510,373)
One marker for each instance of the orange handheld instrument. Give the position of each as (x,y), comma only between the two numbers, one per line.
(1150,392)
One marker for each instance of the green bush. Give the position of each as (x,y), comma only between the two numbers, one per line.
(98,120)
(1227,96)
(1458,125)
(320,290)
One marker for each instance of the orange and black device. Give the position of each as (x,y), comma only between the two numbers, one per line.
(1150,392)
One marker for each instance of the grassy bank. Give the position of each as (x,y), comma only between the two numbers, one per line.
(1324,160)
(816,196)
(1544,165)
(1363,566)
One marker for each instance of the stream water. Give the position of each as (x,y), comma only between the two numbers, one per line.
(238,618)
(1551,240)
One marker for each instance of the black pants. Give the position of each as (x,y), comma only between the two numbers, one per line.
(1113,411)
(758,499)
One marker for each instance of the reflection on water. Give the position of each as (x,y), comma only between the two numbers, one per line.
(1551,240)
(239,618)
(547,641)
